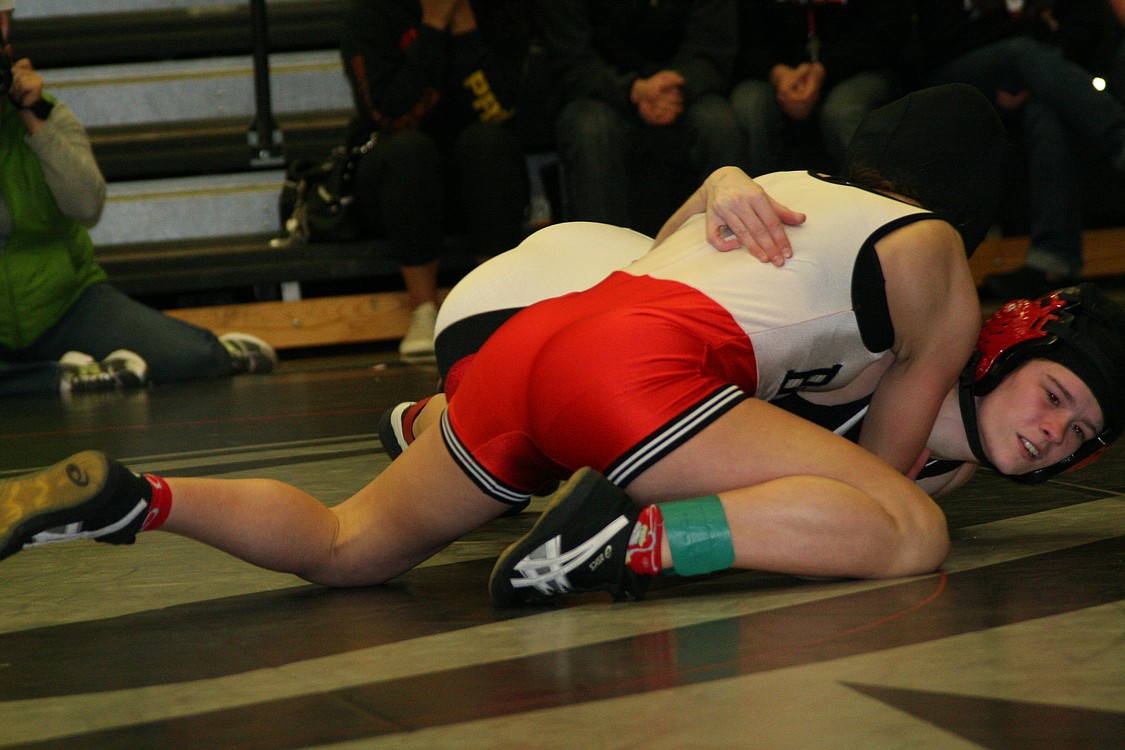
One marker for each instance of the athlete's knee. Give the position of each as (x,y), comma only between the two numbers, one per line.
(590,124)
(336,569)
(335,576)
(337,559)
(923,541)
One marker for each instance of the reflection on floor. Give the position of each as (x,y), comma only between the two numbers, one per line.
(1018,643)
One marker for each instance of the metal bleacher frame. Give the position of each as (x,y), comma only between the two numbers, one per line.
(212,268)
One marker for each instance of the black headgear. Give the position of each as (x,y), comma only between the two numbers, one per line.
(943,146)
(1079,328)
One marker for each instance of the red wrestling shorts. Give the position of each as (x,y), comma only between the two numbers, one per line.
(615,377)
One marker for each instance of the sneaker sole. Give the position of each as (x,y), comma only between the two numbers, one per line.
(390,429)
(566,503)
(419,358)
(34,503)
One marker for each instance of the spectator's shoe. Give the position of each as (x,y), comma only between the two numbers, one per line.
(578,544)
(1023,283)
(81,373)
(87,496)
(249,354)
(418,343)
(392,432)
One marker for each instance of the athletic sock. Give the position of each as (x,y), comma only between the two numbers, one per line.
(643,553)
(161,504)
(409,417)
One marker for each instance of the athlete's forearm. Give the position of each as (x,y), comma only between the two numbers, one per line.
(695,204)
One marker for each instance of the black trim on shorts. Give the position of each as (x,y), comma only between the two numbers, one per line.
(673,434)
(481,477)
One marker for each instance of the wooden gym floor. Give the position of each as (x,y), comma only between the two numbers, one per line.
(1018,643)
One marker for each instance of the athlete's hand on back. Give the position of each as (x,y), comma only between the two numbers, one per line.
(740,214)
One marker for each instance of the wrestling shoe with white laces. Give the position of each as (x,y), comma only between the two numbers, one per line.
(87,496)
(578,544)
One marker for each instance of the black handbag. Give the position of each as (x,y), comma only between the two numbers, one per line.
(317,199)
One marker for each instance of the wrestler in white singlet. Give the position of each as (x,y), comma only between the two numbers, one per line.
(675,340)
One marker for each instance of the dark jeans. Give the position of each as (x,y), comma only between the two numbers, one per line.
(102,321)
(412,191)
(599,143)
(838,116)
(1063,112)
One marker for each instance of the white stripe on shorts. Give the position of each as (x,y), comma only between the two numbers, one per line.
(480,476)
(631,465)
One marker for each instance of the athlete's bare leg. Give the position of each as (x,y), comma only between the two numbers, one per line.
(800,499)
(430,414)
(412,510)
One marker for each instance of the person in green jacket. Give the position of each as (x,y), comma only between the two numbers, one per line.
(62,326)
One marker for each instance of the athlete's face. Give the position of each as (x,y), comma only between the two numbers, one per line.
(1038,415)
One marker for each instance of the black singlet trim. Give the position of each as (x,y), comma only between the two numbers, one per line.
(869,294)
(834,416)
(466,336)
(939,466)
(869,288)
(829,416)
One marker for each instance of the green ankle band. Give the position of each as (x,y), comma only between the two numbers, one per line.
(698,535)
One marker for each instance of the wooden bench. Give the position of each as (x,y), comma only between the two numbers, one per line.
(1103,254)
(294,321)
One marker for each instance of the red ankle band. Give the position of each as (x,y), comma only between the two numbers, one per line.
(643,555)
(161,504)
(409,417)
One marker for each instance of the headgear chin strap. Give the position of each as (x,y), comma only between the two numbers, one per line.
(968,401)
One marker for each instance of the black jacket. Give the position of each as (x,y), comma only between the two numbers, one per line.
(598,48)
(852,36)
(405,75)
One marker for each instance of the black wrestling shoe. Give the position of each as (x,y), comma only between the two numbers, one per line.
(391,433)
(578,544)
(87,496)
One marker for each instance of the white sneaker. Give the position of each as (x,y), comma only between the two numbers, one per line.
(418,343)
(249,354)
(121,369)
(76,359)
